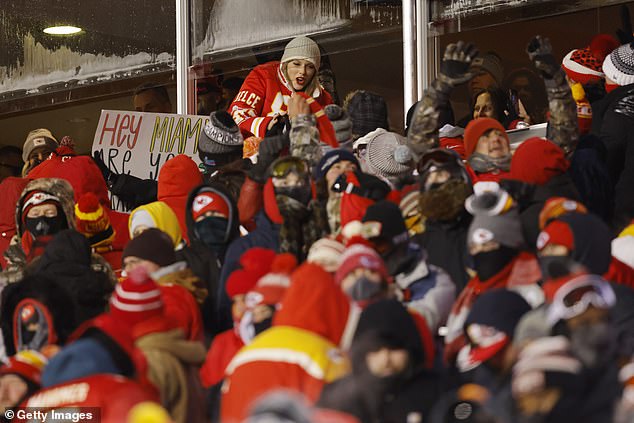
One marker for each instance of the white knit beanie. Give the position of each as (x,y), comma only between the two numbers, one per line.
(619,65)
(302,48)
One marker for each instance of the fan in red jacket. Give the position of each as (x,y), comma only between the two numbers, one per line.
(110,396)
(299,353)
(267,90)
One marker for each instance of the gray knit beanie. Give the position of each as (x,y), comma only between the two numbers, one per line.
(495,219)
(220,135)
(388,155)
(491,63)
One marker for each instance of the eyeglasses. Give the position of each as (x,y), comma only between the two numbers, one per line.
(574,297)
(282,167)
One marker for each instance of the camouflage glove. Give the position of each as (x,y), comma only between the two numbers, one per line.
(541,54)
(454,68)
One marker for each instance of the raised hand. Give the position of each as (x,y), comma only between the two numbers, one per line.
(454,68)
(541,54)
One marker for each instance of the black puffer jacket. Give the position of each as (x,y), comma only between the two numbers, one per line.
(87,278)
(395,399)
(558,186)
(204,262)
(446,247)
(613,122)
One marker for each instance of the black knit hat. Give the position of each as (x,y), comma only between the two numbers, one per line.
(221,135)
(388,323)
(330,159)
(368,112)
(500,309)
(152,245)
(389,215)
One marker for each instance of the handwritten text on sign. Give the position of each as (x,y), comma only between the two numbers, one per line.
(140,143)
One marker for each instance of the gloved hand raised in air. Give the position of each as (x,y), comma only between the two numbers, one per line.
(454,68)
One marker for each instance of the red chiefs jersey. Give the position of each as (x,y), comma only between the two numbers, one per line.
(112,395)
(264,94)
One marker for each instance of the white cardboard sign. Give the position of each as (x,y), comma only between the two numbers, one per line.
(140,143)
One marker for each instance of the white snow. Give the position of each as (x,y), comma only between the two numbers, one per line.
(43,66)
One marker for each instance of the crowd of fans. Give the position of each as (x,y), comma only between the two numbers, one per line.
(324,268)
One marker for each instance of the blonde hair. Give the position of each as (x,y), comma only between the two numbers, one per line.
(312,85)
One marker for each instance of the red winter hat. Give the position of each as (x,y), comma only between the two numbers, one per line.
(270,288)
(359,255)
(28,364)
(556,232)
(475,129)
(136,299)
(255,263)
(92,220)
(537,161)
(585,65)
(209,201)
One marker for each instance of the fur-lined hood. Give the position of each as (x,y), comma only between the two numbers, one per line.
(60,188)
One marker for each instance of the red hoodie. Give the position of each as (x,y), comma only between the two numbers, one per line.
(299,353)
(10,190)
(178,176)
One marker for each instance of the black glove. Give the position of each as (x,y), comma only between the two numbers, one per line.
(521,192)
(281,127)
(108,175)
(455,64)
(270,149)
(625,32)
(541,54)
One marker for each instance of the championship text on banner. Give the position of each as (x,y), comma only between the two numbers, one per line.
(139,144)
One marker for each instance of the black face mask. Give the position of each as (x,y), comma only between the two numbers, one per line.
(263,325)
(212,231)
(364,289)
(39,226)
(300,193)
(490,263)
(554,267)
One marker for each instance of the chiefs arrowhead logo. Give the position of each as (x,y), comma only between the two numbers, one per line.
(201,202)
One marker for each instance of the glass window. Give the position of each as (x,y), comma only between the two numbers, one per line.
(361,43)
(504,27)
(118,40)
